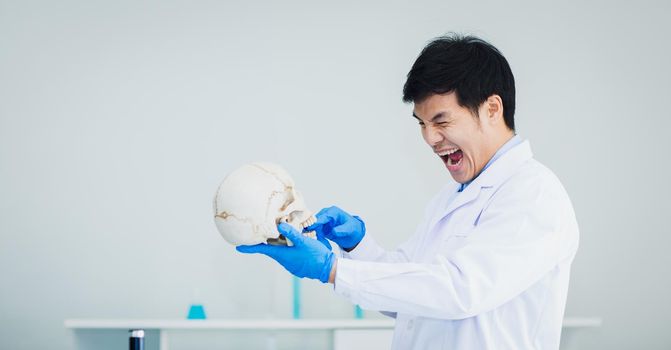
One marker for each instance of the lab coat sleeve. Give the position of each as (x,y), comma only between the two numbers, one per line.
(527,228)
(369,250)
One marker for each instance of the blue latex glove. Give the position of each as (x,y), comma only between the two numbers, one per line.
(306,258)
(340,227)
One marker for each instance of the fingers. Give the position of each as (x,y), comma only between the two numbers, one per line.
(323,218)
(336,213)
(324,241)
(344,230)
(331,215)
(262,248)
(324,211)
(319,224)
(289,232)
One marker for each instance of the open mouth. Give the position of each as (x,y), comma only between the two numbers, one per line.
(452,157)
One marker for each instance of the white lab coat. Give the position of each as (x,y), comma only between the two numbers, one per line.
(487,268)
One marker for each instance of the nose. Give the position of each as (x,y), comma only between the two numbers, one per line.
(432,136)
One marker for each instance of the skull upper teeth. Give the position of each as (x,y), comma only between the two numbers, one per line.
(311,220)
(447,152)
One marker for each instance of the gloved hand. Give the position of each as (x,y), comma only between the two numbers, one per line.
(306,258)
(340,227)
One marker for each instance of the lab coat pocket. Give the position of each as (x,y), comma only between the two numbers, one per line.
(463,229)
(462,232)
(457,239)
(467,223)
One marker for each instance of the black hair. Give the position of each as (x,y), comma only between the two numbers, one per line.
(467,65)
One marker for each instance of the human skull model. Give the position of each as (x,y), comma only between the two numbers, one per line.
(253,199)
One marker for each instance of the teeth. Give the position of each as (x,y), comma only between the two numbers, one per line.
(447,152)
(311,220)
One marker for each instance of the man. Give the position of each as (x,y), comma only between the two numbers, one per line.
(488,267)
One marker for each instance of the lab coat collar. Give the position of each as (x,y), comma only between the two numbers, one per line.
(495,174)
(505,166)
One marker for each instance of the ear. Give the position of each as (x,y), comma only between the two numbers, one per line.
(493,106)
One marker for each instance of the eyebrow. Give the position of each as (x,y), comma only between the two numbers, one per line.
(435,117)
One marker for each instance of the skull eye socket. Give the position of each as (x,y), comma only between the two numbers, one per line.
(290,198)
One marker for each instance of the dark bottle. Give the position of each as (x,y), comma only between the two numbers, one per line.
(136,340)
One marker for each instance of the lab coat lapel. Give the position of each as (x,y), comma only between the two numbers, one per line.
(504,167)
(466,196)
(497,172)
(455,200)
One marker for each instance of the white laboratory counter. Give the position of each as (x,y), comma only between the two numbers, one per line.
(342,328)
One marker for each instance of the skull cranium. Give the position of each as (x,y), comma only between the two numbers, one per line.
(253,199)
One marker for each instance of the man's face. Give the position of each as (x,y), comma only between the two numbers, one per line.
(463,142)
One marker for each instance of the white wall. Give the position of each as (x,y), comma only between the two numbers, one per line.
(118,119)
